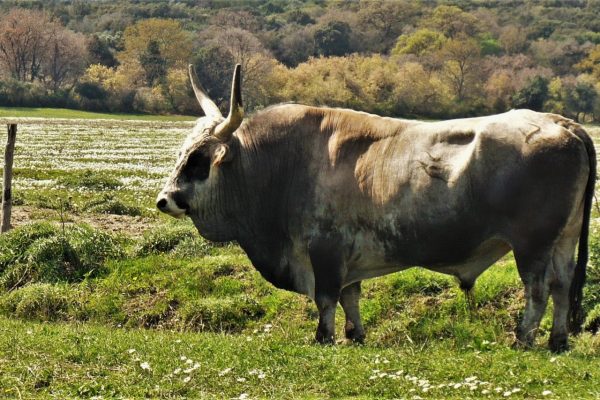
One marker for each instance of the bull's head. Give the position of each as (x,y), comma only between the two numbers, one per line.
(191,186)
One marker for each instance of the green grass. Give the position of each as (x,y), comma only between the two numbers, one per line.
(85,360)
(68,113)
(78,323)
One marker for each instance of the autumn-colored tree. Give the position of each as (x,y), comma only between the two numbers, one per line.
(23,42)
(533,95)
(591,63)
(65,57)
(452,22)
(513,39)
(333,39)
(174,43)
(243,48)
(153,63)
(176,90)
(420,42)
(461,58)
(381,21)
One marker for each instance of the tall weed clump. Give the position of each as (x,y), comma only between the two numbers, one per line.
(43,252)
(180,240)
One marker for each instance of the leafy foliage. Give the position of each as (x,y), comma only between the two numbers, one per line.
(133,57)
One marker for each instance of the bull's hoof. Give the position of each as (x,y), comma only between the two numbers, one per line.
(558,344)
(522,344)
(326,338)
(355,336)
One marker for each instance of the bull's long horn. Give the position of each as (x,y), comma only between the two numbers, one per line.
(236,109)
(209,108)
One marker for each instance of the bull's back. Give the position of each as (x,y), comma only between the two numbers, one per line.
(435,192)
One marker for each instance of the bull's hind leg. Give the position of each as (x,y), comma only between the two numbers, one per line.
(533,269)
(349,301)
(563,267)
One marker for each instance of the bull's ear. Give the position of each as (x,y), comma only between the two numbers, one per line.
(207,105)
(225,129)
(221,154)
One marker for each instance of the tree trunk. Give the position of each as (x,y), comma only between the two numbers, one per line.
(7,179)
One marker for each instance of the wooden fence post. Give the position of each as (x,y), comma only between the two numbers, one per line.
(7,178)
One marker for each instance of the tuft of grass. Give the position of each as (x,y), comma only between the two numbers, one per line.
(88,179)
(111,205)
(39,301)
(164,239)
(14,243)
(45,253)
(218,314)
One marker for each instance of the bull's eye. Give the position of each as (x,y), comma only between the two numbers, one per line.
(197,167)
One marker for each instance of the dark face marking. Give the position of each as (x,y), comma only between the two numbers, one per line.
(197,167)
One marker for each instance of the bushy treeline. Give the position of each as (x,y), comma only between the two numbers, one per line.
(400,58)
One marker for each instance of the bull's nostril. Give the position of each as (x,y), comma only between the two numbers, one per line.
(161,204)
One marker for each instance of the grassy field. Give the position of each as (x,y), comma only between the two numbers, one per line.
(101,297)
(68,113)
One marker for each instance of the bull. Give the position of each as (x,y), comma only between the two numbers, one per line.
(323,198)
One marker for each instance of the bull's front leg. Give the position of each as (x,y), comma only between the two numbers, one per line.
(329,269)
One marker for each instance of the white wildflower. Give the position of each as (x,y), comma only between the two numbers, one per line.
(145,366)
(225,372)
(187,379)
(546,393)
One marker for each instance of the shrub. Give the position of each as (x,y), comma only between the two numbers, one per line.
(164,239)
(110,205)
(13,244)
(191,247)
(221,314)
(43,253)
(40,301)
(89,179)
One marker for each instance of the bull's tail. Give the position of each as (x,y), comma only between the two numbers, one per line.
(576,314)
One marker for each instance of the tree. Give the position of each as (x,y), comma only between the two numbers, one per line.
(453,22)
(295,45)
(153,63)
(533,95)
(23,42)
(333,39)
(381,21)
(580,100)
(174,44)
(591,63)
(176,90)
(419,42)
(243,48)
(513,39)
(64,61)
(212,63)
(99,52)
(461,57)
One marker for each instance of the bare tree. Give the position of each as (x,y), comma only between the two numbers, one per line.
(23,42)
(65,58)
(247,50)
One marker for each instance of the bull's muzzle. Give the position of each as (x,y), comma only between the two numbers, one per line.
(171,204)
